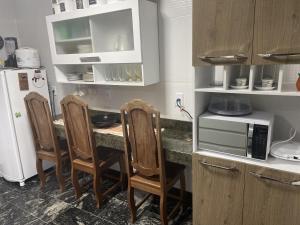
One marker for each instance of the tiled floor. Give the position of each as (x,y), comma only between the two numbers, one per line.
(30,206)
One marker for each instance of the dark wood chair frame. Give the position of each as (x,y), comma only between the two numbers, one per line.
(145,158)
(84,155)
(45,138)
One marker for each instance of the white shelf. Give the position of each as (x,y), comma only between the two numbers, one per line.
(76,82)
(82,39)
(285,111)
(284,87)
(110,83)
(248,92)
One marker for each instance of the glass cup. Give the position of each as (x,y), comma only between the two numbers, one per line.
(108,73)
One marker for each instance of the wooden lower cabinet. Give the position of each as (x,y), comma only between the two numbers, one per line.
(218,187)
(270,198)
(233,193)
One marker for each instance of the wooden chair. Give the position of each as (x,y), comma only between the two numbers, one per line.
(84,155)
(146,166)
(45,139)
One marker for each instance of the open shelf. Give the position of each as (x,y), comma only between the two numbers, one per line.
(234,74)
(284,81)
(104,74)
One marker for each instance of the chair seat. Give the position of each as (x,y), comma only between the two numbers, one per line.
(106,156)
(152,184)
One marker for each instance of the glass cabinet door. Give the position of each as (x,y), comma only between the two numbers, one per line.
(97,37)
(113,32)
(72,36)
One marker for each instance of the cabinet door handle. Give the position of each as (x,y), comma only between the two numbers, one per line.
(224,59)
(233,168)
(263,177)
(90,59)
(296,183)
(276,55)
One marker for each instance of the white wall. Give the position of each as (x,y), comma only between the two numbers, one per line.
(176,71)
(8,27)
(31,25)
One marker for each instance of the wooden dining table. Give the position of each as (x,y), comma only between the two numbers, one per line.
(177,143)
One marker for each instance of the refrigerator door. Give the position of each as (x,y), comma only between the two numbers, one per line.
(10,164)
(19,84)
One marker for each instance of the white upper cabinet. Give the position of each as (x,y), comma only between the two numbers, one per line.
(123,32)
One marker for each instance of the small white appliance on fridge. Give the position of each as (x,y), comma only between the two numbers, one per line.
(17,153)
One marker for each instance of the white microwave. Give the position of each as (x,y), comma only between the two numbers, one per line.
(248,136)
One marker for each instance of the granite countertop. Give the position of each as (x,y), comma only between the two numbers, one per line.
(176,140)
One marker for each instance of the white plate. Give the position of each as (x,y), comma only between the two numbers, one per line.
(264,88)
(239,87)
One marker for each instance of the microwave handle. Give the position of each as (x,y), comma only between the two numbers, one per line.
(249,141)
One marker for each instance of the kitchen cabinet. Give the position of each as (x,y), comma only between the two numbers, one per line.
(218,187)
(246,32)
(237,193)
(222,31)
(116,42)
(270,197)
(276,32)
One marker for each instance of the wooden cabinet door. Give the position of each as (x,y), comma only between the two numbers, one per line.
(222,31)
(276,32)
(270,197)
(218,187)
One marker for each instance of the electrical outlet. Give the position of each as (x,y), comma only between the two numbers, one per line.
(53,89)
(179,95)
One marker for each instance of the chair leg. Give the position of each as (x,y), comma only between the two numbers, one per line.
(75,183)
(182,187)
(41,174)
(122,173)
(131,203)
(97,189)
(59,176)
(163,209)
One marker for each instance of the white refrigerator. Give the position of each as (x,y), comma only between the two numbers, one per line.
(17,153)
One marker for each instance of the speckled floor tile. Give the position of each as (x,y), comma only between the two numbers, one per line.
(115,211)
(79,217)
(8,196)
(10,214)
(148,218)
(40,205)
(31,206)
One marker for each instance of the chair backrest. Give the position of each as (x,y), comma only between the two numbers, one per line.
(142,135)
(78,128)
(41,122)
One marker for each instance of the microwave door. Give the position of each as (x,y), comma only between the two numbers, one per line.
(259,141)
